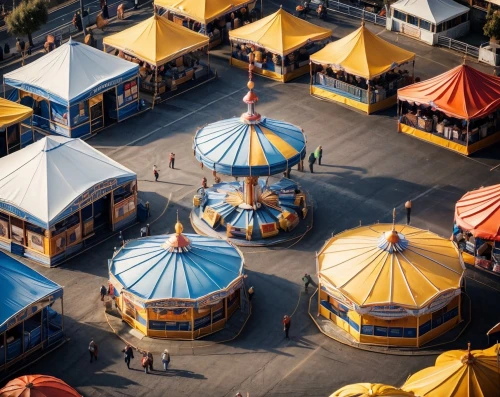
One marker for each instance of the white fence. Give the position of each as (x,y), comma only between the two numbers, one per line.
(360,13)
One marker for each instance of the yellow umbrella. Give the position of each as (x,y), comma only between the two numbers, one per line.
(363,54)
(12,113)
(203,11)
(370,390)
(281,33)
(459,373)
(385,265)
(156,40)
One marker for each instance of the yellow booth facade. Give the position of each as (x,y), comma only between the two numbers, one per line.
(178,286)
(166,52)
(280,44)
(361,70)
(13,134)
(391,285)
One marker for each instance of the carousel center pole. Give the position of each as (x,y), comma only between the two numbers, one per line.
(250,117)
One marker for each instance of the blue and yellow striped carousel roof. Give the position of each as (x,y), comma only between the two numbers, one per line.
(237,148)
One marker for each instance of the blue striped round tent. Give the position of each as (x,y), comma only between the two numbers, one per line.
(236,147)
(158,278)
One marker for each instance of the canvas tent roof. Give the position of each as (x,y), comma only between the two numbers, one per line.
(12,113)
(462,92)
(41,182)
(363,54)
(280,32)
(157,40)
(435,11)
(21,286)
(72,73)
(203,11)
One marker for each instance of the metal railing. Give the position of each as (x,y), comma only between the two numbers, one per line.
(459,46)
(360,13)
(357,93)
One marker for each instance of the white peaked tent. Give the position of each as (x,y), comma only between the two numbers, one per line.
(72,73)
(434,11)
(43,182)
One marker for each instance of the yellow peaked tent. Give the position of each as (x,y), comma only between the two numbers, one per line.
(280,33)
(362,53)
(459,373)
(156,40)
(203,11)
(370,390)
(12,113)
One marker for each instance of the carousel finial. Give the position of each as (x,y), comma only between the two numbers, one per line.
(394,219)
(178,226)
(250,98)
(465,58)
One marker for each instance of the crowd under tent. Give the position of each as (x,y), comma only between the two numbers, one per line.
(168,52)
(177,286)
(76,90)
(361,70)
(208,17)
(459,110)
(459,373)
(428,19)
(365,294)
(13,134)
(476,229)
(59,192)
(280,45)
(28,321)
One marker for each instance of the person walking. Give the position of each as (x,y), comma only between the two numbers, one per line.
(318,153)
(307,280)
(165,359)
(312,160)
(92,349)
(286,325)
(150,361)
(171,163)
(102,292)
(408,211)
(129,354)
(156,172)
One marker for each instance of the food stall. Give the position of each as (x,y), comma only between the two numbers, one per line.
(476,229)
(212,18)
(280,44)
(90,90)
(29,321)
(167,54)
(14,135)
(57,193)
(459,373)
(458,110)
(250,146)
(177,286)
(364,294)
(361,70)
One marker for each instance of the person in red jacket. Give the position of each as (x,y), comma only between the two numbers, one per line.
(286,325)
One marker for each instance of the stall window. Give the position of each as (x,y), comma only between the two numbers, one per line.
(35,237)
(4,225)
(13,138)
(122,192)
(59,113)
(412,20)
(127,92)
(17,231)
(425,25)
(400,15)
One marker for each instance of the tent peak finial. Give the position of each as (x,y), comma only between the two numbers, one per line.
(394,219)
(362,21)
(250,98)
(465,58)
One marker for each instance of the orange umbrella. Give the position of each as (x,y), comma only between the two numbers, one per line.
(478,212)
(38,386)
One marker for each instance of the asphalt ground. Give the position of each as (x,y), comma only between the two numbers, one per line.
(368,170)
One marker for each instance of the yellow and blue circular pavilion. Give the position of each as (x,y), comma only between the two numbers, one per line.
(250,146)
(177,286)
(391,285)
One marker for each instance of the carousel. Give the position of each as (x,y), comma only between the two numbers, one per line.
(177,286)
(459,373)
(390,285)
(251,210)
(476,230)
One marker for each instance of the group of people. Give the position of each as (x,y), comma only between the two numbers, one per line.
(147,359)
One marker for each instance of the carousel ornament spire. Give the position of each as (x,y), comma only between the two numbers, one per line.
(251,98)
(177,240)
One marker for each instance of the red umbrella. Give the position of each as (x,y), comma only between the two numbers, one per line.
(38,386)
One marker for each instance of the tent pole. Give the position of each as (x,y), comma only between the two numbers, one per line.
(319,298)
(156,87)
(467,143)
(311,76)
(418,332)
(413,73)
(192,323)
(116,97)
(230,57)
(283,66)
